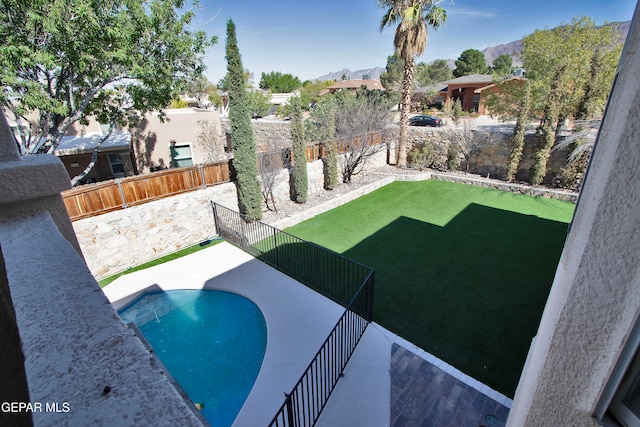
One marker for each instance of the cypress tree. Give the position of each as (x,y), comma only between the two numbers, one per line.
(300,182)
(242,139)
(331,161)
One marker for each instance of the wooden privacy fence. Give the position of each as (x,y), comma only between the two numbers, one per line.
(96,199)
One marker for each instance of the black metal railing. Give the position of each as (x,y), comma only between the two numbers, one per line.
(339,278)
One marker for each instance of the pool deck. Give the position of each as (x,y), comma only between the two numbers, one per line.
(388,380)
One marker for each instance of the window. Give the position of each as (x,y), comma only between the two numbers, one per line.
(181,155)
(626,403)
(117,166)
(621,396)
(104,128)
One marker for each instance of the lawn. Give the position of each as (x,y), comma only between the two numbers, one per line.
(461,271)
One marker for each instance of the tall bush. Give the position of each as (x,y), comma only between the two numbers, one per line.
(300,180)
(242,139)
(331,157)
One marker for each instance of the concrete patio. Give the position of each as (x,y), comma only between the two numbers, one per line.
(388,381)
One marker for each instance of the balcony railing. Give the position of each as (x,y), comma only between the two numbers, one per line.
(341,279)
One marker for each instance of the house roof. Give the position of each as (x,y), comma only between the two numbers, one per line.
(471,78)
(354,84)
(438,87)
(83,144)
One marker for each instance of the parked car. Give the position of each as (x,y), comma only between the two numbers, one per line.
(425,121)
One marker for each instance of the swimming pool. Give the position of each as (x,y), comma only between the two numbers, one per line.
(213,343)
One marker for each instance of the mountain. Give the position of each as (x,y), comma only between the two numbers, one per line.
(490,54)
(373,73)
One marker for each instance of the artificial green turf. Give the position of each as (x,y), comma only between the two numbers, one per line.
(178,254)
(461,271)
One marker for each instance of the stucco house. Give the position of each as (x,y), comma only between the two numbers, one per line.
(187,136)
(468,89)
(369,84)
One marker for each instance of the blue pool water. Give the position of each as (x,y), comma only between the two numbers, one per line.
(212,342)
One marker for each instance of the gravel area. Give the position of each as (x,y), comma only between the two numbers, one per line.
(288,208)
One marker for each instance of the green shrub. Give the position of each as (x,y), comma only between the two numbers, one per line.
(570,176)
(457,111)
(422,157)
(453,152)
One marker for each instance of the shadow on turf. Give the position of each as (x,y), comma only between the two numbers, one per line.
(472,292)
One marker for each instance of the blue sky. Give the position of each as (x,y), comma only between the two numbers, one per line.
(312,38)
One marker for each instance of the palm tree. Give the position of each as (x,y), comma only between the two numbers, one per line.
(413,17)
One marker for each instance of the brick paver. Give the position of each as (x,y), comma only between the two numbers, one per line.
(424,395)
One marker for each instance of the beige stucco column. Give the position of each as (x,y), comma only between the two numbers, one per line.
(594,302)
(32,184)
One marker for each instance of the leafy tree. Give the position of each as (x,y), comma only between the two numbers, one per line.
(602,69)
(277,82)
(259,102)
(517,146)
(559,65)
(502,65)
(436,72)
(310,92)
(391,78)
(300,181)
(242,139)
(248,81)
(360,118)
(200,88)
(115,60)
(412,18)
(471,61)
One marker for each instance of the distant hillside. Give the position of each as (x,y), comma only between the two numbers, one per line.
(490,53)
(373,73)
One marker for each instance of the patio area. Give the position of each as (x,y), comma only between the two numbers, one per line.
(388,381)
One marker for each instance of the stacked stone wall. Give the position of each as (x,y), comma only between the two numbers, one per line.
(493,154)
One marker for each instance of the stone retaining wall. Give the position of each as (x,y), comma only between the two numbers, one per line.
(269,134)
(122,239)
(493,155)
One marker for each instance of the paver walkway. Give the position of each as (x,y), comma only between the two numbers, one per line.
(424,395)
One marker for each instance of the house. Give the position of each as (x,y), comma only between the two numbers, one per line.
(424,96)
(468,90)
(115,156)
(369,84)
(184,137)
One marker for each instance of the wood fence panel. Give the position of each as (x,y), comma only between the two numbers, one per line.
(215,173)
(96,199)
(93,200)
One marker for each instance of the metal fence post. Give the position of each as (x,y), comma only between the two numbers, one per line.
(124,200)
(275,248)
(289,406)
(215,218)
(204,184)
